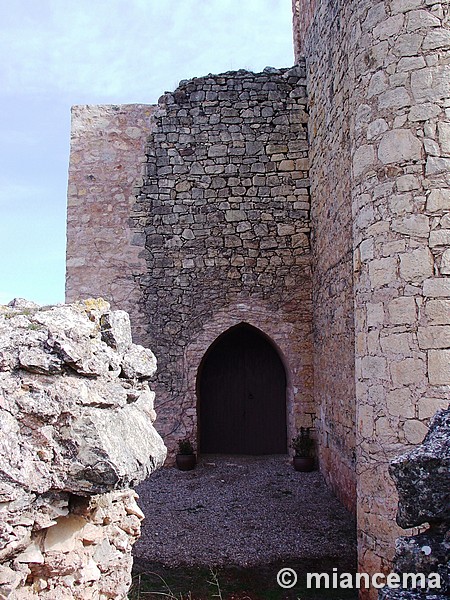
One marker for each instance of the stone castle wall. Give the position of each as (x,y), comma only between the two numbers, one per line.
(388,80)
(332,247)
(302,14)
(105,172)
(224,218)
(220,228)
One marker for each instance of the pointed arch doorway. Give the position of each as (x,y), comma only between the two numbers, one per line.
(241,390)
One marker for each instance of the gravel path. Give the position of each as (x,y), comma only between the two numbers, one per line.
(241,511)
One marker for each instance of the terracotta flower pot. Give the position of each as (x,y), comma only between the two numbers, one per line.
(186,462)
(303,463)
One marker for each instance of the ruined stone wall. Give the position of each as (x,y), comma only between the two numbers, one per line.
(224,216)
(106,156)
(392,56)
(76,417)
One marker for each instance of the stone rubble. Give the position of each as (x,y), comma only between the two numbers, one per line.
(76,420)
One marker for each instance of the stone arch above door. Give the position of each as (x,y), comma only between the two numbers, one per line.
(291,340)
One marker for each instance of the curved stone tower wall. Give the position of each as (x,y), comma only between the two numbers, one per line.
(382,69)
(224,218)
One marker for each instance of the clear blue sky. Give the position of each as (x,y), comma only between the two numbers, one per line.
(56,53)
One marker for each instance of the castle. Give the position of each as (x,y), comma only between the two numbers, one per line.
(299,216)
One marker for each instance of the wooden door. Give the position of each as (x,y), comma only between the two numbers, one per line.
(242,396)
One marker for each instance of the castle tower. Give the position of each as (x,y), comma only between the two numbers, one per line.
(378,86)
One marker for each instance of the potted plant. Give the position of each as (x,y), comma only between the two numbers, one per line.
(303,446)
(185,458)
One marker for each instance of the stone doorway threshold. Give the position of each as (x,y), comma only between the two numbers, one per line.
(243,511)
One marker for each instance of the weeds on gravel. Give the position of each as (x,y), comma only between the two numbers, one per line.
(139,589)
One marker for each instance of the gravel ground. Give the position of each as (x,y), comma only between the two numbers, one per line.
(242,511)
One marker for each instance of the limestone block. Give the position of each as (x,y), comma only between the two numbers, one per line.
(439,367)
(406,183)
(402,310)
(285,229)
(428,407)
(437,312)
(416,265)
(393,248)
(385,429)
(445,263)
(366,250)
(374,314)
(366,420)
(407,371)
(218,150)
(398,343)
(388,27)
(401,203)
(374,367)
(431,84)
(434,336)
(437,287)
(407,44)
(421,19)
(382,272)
(235,215)
(138,362)
(437,39)
(399,145)
(363,158)
(414,431)
(410,63)
(424,112)
(414,225)
(439,237)
(378,84)
(402,6)
(400,404)
(376,128)
(393,98)
(436,165)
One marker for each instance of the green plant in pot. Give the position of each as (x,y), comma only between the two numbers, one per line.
(185,458)
(303,446)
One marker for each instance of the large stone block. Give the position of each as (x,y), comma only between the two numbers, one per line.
(402,310)
(437,287)
(439,367)
(434,336)
(399,145)
(408,371)
(416,265)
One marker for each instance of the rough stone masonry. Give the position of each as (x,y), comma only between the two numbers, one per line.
(76,417)
(312,203)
